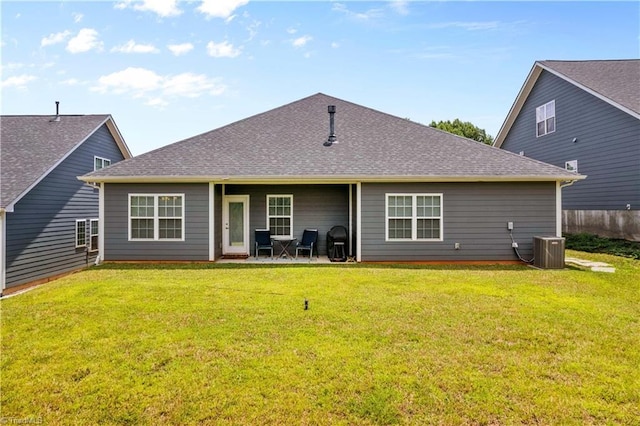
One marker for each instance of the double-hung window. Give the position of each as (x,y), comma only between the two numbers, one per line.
(546,118)
(93,234)
(156,217)
(414,217)
(280,215)
(81,232)
(100,163)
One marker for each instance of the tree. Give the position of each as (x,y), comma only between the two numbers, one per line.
(463,128)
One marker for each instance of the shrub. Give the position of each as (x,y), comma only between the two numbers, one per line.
(594,244)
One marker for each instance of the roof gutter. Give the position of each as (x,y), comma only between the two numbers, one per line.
(322,179)
(568,183)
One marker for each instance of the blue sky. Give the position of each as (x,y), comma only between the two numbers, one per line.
(167,70)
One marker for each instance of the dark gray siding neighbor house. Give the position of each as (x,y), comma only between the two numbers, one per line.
(584,116)
(403,191)
(48,218)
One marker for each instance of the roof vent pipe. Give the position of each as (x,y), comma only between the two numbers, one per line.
(57,117)
(332,134)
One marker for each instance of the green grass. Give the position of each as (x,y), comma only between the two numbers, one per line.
(220,344)
(594,244)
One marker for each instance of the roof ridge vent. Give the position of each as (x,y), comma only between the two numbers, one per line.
(332,133)
(57,117)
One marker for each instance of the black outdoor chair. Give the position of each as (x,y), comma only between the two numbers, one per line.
(263,241)
(309,241)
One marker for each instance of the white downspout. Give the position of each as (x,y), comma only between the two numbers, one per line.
(559,187)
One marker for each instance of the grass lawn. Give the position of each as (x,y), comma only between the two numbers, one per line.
(225,344)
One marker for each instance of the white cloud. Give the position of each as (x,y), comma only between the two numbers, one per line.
(135,81)
(192,85)
(400,7)
(163,8)
(291,31)
(19,81)
(141,83)
(220,8)
(71,82)
(335,45)
(157,102)
(54,38)
(87,39)
(252,29)
(132,47)
(469,26)
(222,50)
(12,66)
(301,41)
(77,17)
(180,49)
(367,15)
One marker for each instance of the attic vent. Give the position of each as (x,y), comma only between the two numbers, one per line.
(57,117)
(332,134)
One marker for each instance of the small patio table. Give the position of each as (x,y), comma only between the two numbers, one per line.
(284,242)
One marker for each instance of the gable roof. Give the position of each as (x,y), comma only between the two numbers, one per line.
(33,145)
(616,82)
(285,144)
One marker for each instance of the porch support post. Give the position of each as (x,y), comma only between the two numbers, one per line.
(358,221)
(350,220)
(558,209)
(212,221)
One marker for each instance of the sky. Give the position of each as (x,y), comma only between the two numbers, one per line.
(167,70)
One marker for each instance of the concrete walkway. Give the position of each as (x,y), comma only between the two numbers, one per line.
(594,266)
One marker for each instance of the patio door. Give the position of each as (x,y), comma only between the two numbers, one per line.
(235,216)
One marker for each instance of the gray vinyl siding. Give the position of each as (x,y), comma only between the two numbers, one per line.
(607,144)
(195,246)
(41,232)
(314,206)
(474,215)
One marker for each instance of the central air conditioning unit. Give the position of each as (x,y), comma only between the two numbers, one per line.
(548,252)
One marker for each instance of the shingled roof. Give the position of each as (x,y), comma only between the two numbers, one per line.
(286,144)
(33,145)
(616,82)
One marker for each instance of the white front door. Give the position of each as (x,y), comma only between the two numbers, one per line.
(235,217)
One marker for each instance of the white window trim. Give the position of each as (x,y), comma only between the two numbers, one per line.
(84,223)
(91,235)
(573,164)
(290,196)
(102,159)
(414,217)
(156,218)
(547,132)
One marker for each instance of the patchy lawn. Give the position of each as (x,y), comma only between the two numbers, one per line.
(222,344)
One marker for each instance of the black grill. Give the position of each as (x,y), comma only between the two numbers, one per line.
(336,244)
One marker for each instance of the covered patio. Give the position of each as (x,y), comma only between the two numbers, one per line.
(290,260)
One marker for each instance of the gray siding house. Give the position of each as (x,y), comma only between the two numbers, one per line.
(48,218)
(403,190)
(584,116)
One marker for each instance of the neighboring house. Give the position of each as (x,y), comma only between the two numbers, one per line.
(404,191)
(48,218)
(584,116)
